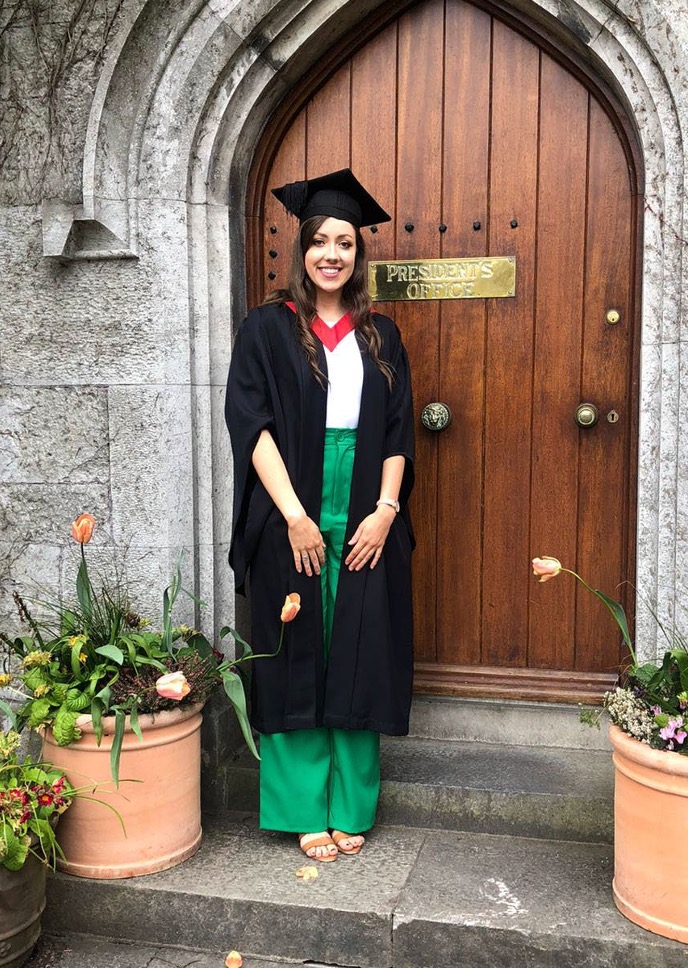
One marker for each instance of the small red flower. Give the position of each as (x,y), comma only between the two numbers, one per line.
(45,799)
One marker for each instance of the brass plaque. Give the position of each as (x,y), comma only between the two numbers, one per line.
(486,278)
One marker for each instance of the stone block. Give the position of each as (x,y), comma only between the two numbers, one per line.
(33,570)
(475,901)
(85,323)
(504,722)
(152,465)
(53,435)
(45,512)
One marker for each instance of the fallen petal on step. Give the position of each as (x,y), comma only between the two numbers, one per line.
(308,873)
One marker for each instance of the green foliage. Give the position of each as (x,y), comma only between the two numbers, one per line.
(95,656)
(38,712)
(64,726)
(32,797)
(234,688)
(13,849)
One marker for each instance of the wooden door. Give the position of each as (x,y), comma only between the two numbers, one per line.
(482,140)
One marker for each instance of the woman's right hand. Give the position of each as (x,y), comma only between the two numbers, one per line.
(307,544)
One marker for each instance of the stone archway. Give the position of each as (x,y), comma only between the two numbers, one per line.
(177,115)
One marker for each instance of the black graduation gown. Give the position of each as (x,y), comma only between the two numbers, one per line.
(367,681)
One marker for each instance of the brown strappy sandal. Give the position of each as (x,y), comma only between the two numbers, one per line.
(338,836)
(308,841)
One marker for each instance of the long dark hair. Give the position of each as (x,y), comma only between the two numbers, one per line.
(355,298)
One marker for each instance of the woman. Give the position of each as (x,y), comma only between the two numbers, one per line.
(320,416)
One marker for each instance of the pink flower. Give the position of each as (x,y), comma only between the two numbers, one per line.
(668,732)
(546,567)
(173,685)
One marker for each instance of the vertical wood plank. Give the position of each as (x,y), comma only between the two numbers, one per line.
(373,138)
(557,374)
(606,382)
(328,126)
(468,32)
(373,128)
(419,188)
(289,165)
(513,185)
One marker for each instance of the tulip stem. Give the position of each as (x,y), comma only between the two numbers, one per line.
(228,663)
(616,610)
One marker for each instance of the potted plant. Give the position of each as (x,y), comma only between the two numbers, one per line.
(113,697)
(649,737)
(32,797)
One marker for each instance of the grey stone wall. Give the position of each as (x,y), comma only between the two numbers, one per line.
(127,129)
(94,366)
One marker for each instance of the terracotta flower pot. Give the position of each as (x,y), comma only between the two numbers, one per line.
(22,900)
(161,813)
(650,846)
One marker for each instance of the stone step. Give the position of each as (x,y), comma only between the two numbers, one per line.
(413,898)
(85,951)
(528,791)
(505,721)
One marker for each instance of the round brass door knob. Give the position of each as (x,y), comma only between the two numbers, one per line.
(586,415)
(436,416)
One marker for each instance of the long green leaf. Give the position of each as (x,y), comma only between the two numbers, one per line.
(200,645)
(97,718)
(168,599)
(83,587)
(619,615)
(134,720)
(234,688)
(109,806)
(116,749)
(75,660)
(246,648)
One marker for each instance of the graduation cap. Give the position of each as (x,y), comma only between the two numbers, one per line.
(339,194)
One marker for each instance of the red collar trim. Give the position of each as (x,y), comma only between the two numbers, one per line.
(329,336)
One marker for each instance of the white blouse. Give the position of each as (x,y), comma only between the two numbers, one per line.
(345,375)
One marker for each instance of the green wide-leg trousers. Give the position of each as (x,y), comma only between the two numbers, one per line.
(315,779)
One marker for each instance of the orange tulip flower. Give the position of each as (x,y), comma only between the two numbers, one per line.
(291,607)
(234,960)
(82,528)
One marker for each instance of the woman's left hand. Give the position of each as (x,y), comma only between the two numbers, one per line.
(369,538)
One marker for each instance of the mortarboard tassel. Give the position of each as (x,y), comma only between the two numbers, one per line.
(294,196)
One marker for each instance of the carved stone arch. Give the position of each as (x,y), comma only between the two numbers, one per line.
(175,122)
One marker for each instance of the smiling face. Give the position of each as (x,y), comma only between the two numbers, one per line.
(330,258)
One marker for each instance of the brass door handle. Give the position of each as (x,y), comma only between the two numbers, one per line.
(586,415)
(436,416)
